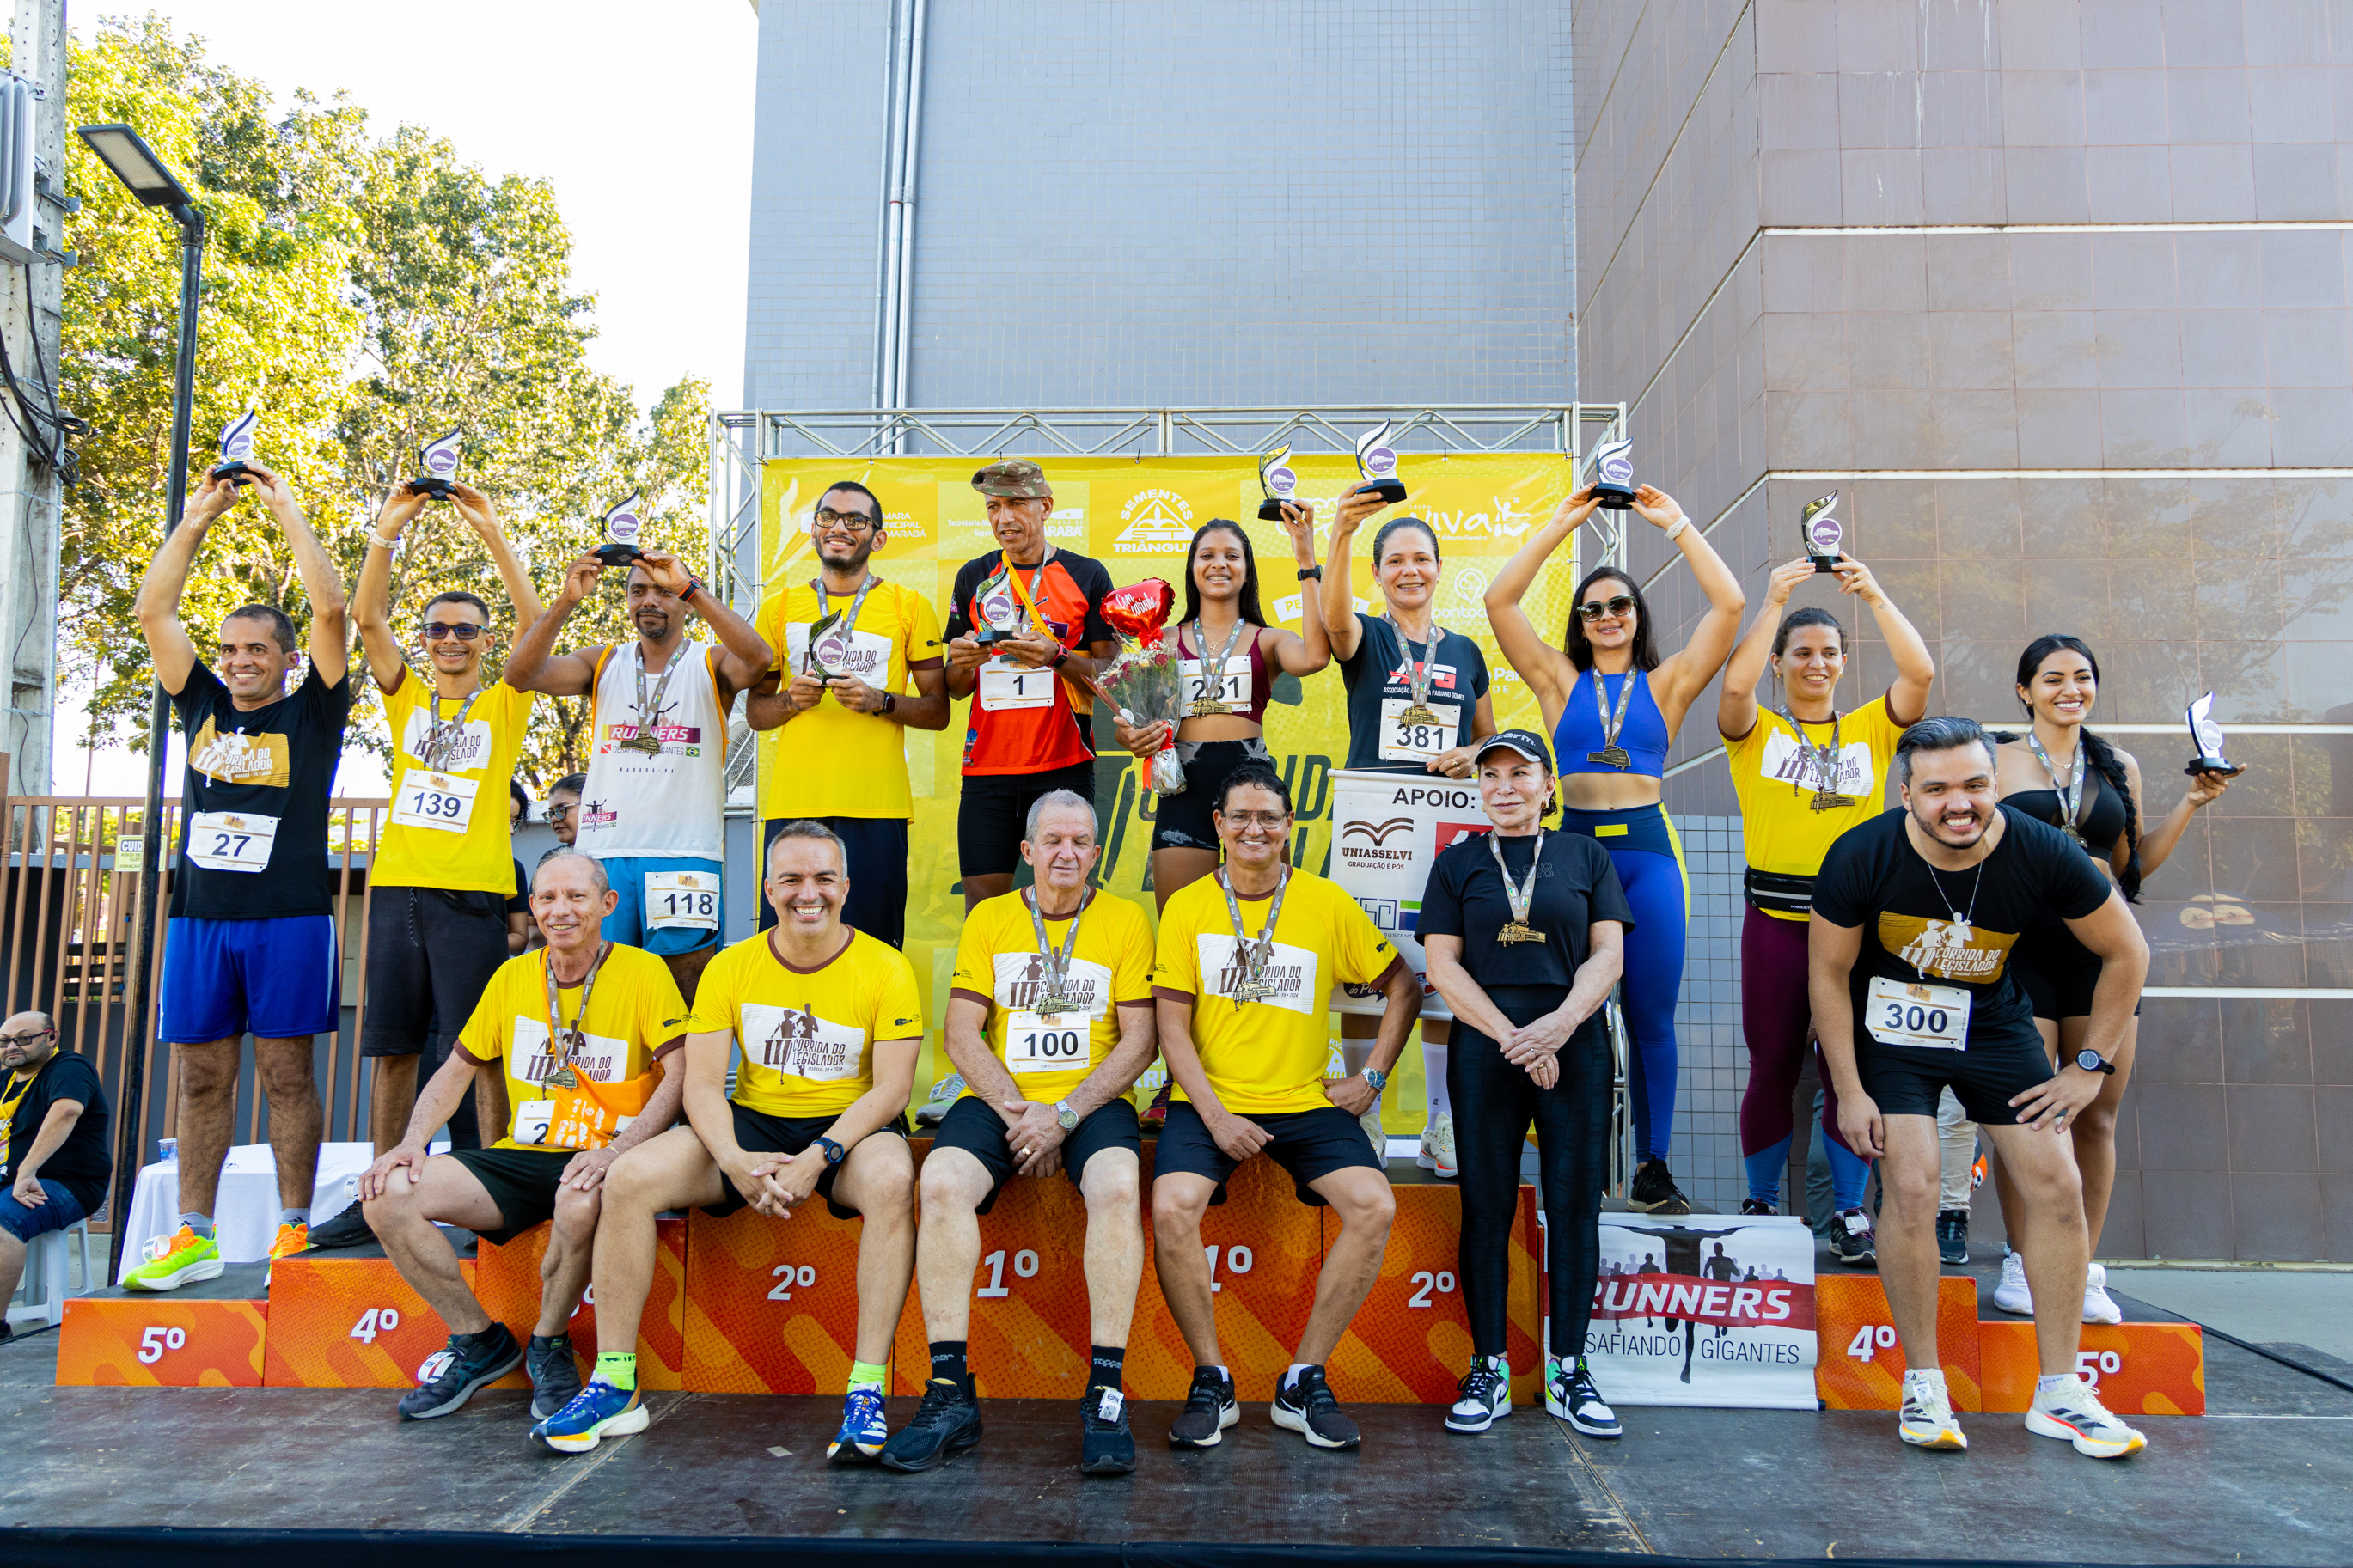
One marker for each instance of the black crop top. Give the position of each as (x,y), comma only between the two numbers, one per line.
(2100,813)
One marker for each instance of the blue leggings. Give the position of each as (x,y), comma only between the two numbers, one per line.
(1642,845)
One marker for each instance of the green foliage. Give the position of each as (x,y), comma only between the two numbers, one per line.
(366,293)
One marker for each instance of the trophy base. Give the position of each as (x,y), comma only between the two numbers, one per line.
(1390,490)
(2214,765)
(1611,498)
(438,489)
(1824,564)
(617,555)
(1270,510)
(236,473)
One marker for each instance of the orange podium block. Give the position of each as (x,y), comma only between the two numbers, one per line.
(1858,1365)
(506,1278)
(2140,1369)
(152,1342)
(347,1322)
(1265,1249)
(771,1304)
(1410,1342)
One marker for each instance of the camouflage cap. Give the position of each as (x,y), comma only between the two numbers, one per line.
(1014,477)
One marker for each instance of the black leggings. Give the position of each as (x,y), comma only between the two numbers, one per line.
(1494,1101)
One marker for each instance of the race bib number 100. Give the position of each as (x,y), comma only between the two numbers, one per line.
(1907,1013)
(1037,1043)
(437,801)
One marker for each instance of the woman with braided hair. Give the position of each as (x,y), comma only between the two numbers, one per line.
(2062,773)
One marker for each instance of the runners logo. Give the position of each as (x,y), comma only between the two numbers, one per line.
(1949,950)
(235,759)
(1154,523)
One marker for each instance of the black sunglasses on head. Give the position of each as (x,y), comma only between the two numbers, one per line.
(1617,605)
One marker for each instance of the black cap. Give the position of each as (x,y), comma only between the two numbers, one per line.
(1526,743)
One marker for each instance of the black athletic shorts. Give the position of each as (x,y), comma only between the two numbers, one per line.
(993,814)
(970,1125)
(877,849)
(2059,972)
(1908,1080)
(1184,821)
(430,953)
(762,1133)
(521,1182)
(1310,1144)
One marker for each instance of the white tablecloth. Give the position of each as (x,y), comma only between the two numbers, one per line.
(244,1213)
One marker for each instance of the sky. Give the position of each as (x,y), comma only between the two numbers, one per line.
(640,116)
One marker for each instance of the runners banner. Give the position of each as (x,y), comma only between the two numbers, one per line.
(1705,1309)
(1387,829)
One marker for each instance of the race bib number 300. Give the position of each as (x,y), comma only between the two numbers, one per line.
(1005,685)
(437,801)
(1908,1012)
(1037,1043)
(231,841)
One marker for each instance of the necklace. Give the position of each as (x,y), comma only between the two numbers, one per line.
(1056,997)
(569,1037)
(1253,986)
(1420,672)
(1521,897)
(1822,761)
(1961,926)
(1213,676)
(1611,754)
(646,740)
(2070,793)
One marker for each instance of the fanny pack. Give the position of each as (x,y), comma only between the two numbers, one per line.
(1778,892)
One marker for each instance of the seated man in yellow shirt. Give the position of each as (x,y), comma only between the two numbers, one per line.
(1050,1022)
(585,1032)
(1246,962)
(830,1024)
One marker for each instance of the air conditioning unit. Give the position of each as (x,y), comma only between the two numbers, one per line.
(16,204)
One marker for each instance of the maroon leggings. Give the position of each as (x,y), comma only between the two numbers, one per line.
(1777,1016)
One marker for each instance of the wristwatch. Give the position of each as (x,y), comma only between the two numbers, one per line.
(1378,1078)
(1061,657)
(2092,1061)
(1315,572)
(890,702)
(1067,1115)
(693,586)
(833,1150)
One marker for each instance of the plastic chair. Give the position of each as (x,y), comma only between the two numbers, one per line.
(41,1294)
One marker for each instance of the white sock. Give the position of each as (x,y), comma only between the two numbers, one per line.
(1925,1376)
(294,1216)
(1434,1078)
(2065,1380)
(1291,1378)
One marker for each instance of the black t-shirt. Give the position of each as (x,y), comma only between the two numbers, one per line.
(521,903)
(84,1161)
(1576,885)
(1912,913)
(278,763)
(1381,668)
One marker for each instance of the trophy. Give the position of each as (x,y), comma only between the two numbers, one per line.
(1276,478)
(1613,475)
(1821,532)
(439,460)
(621,527)
(2207,736)
(236,446)
(999,615)
(1377,463)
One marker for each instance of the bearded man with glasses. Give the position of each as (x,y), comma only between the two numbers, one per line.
(849,645)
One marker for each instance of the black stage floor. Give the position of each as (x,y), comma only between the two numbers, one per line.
(2266,1476)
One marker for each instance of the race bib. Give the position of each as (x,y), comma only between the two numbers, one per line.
(1006,686)
(437,801)
(678,899)
(1417,742)
(1036,1042)
(531,1119)
(231,841)
(1233,689)
(1908,1012)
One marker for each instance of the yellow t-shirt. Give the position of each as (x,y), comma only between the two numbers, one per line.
(999,966)
(1267,1056)
(808,1038)
(1782,830)
(635,1017)
(449,829)
(845,763)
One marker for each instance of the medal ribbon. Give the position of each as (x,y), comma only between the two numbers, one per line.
(1522,898)
(1214,676)
(1612,723)
(1028,603)
(1253,954)
(440,737)
(2071,794)
(849,620)
(1822,760)
(647,715)
(576,1029)
(1058,964)
(1421,671)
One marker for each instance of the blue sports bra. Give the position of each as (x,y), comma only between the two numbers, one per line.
(1644,738)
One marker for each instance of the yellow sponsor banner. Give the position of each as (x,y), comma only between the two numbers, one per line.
(1137,516)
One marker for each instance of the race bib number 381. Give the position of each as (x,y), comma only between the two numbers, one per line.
(1909,1012)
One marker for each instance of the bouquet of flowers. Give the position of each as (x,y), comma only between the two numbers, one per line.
(1143,684)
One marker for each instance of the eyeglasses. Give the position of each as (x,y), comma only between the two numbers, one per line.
(557,813)
(1275,819)
(1617,605)
(37,1035)
(464,631)
(856,521)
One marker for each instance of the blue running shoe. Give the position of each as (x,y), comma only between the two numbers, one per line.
(596,1413)
(864,1433)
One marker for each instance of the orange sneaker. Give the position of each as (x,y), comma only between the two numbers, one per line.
(292,1239)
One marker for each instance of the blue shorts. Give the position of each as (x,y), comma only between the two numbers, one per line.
(627,921)
(62,1209)
(278,979)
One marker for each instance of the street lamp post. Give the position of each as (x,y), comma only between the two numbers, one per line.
(127,155)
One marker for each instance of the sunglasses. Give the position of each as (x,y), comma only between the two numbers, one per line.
(856,521)
(1617,605)
(464,631)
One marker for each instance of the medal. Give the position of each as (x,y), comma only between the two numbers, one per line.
(1213,677)
(2071,794)
(1612,754)
(568,1037)
(1419,673)
(1822,761)
(839,625)
(645,740)
(1056,997)
(1253,986)
(564,1077)
(1521,897)
(441,739)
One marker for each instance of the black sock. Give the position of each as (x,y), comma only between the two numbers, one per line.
(542,1342)
(1105,1365)
(948,1362)
(482,1340)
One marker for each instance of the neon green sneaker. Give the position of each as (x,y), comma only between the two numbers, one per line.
(185,1258)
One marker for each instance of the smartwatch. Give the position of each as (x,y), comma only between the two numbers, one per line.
(890,702)
(1067,1115)
(1315,572)
(833,1150)
(1378,1078)
(2092,1061)
(1061,657)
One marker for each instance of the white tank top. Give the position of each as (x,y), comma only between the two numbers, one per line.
(667,806)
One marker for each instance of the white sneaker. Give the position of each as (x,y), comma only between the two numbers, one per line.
(1570,1395)
(1484,1395)
(1437,1154)
(2073,1411)
(944,1094)
(2099,1307)
(2011,1295)
(1926,1420)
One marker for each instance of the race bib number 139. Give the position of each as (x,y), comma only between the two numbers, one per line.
(438,801)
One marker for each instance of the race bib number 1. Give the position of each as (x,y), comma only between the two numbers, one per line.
(437,801)
(1417,742)
(231,841)
(1036,1043)
(1907,1013)
(1006,685)
(676,900)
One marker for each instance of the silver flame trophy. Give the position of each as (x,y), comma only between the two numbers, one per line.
(1377,461)
(1613,475)
(622,526)
(1279,481)
(1821,532)
(237,448)
(2207,736)
(439,460)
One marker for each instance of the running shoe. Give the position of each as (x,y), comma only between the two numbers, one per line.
(863,1431)
(292,1239)
(1852,1242)
(1759,1208)
(181,1258)
(1437,1154)
(1107,1445)
(1570,1395)
(596,1412)
(348,1229)
(554,1380)
(1485,1395)
(2073,1411)
(2099,1307)
(944,1094)
(2011,1295)
(1926,1420)
(1653,1191)
(947,1422)
(450,1377)
(1308,1409)
(1210,1408)
(1953,1235)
